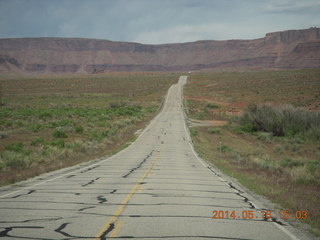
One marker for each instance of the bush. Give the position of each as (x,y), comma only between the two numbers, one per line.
(264,162)
(213,106)
(35,127)
(14,147)
(117,104)
(65,122)
(58,143)
(285,120)
(78,129)
(18,148)
(193,132)
(224,148)
(264,136)
(59,134)
(13,160)
(278,149)
(313,167)
(300,174)
(214,130)
(287,162)
(37,141)
(44,114)
(238,130)
(200,116)
(104,133)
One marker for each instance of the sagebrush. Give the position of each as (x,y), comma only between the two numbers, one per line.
(284,120)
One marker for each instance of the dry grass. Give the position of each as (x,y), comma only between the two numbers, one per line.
(285,169)
(49,122)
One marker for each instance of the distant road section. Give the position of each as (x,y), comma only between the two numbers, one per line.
(157,188)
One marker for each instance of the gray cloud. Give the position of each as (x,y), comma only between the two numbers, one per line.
(154,21)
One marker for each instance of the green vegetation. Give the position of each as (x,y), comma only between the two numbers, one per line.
(214,130)
(213,106)
(193,132)
(271,146)
(59,134)
(285,120)
(49,122)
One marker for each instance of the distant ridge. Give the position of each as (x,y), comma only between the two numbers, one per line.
(279,50)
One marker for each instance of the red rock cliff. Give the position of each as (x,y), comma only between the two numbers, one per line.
(279,50)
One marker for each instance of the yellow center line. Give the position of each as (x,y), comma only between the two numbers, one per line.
(116,229)
(113,219)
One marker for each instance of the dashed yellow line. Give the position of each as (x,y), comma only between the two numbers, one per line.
(113,219)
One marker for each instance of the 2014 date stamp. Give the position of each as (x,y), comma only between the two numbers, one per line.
(262,214)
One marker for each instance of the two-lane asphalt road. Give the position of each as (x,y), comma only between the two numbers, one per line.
(157,188)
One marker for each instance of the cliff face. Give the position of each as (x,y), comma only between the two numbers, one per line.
(279,50)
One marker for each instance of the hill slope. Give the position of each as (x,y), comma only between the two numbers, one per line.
(279,50)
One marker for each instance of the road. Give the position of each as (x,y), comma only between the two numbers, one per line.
(157,188)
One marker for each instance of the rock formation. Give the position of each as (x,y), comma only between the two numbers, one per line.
(280,50)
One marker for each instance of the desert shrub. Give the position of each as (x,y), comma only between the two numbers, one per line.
(78,129)
(100,135)
(264,162)
(104,133)
(193,132)
(300,174)
(117,104)
(313,133)
(113,131)
(59,134)
(313,167)
(15,147)
(35,127)
(238,130)
(65,122)
(52,125)
(224,148)
(214,130)
(13,160)
(19,123)
(285,120)
(60,143)
(44,114)
(287,162)
(278,149)
(8,123)
(46,151)
(213,106)
(293,147)
(37,141)
(264,136)
(200,116)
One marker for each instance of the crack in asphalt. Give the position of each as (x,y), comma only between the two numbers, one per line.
(89,169)
(85,208)
(246,200)
(34,220)
(70,176)
(252,206)
(139,165)
(61,227)
(90,182)
(105,233)
(30,192)
(7,230)
(101,199)
(240,194)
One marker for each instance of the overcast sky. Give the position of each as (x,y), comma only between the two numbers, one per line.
(155,21)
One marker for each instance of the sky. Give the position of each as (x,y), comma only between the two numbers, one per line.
(155,21)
